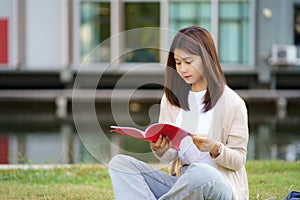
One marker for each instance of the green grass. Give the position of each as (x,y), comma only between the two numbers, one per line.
(78,182)
(267,180)
(272,179)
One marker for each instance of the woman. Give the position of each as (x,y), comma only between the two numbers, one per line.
(209,165)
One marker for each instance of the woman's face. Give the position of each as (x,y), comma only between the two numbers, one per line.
(190,68)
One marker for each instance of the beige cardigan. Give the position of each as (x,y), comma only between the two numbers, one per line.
(230,127)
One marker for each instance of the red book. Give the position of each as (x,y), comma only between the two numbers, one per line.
(152,133)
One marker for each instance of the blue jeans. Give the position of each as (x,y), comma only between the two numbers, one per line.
(134,179)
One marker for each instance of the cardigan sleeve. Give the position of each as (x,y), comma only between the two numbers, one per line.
(233,154)
(166,115)
(166,111)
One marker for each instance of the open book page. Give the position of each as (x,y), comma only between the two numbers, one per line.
(129,131)
(152,133)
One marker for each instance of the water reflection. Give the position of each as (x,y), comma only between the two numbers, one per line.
(275,139)
(49,140)
(42,147)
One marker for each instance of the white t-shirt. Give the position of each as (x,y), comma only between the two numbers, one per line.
(197,122)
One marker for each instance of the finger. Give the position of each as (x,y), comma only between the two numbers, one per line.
(199,138)
(168,142)
(153,145)
(164,142)
(158,142)
(198,145)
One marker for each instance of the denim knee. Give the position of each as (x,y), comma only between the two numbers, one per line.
(198,173)
(118,162)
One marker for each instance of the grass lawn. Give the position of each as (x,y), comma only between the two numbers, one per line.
(267,180)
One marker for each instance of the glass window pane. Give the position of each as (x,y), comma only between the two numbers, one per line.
(138,15)
(204,11)
(234,32)
(186,11)
(230,10)
(245,10)
(228,40)
(297,24)
(199,13)
(94,29)
(245,43)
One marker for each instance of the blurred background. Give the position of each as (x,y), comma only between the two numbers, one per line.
(43,43)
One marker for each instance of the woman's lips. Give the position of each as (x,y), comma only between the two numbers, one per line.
(187,77)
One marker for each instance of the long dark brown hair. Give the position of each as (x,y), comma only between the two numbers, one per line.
(197,41)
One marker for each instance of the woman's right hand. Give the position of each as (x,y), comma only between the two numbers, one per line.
(162,144)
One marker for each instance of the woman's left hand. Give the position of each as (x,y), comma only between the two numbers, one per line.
(205,144)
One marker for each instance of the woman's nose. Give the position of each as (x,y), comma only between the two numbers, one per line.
(183,67)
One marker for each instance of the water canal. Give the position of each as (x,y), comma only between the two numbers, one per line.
(31,132)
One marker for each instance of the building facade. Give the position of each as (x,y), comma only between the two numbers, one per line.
(54,38)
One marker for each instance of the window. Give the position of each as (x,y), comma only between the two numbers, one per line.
(94,29)
(138,15)
(231,27)
(183,14)
(233,32)
(228,21)
(297,25)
